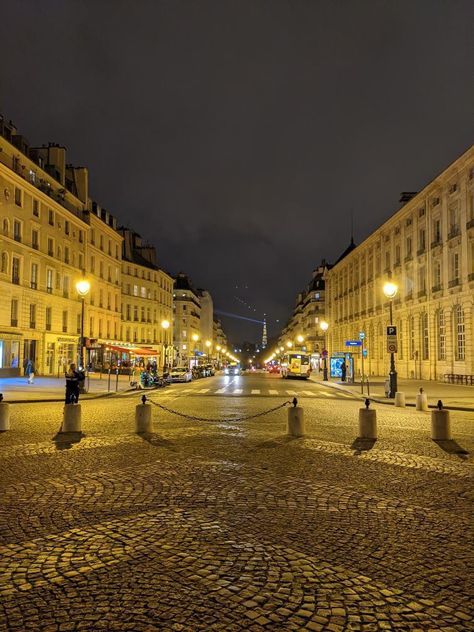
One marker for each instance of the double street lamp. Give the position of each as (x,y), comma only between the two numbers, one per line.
(390,290)
(82,287)
(165,326)
(323,325)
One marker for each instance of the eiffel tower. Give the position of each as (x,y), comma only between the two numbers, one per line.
(264,333)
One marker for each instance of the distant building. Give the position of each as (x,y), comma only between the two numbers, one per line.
(188,341)
(427,249)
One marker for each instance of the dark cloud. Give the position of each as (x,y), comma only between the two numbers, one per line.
(239,136)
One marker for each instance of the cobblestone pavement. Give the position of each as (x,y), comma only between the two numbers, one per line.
(233,526)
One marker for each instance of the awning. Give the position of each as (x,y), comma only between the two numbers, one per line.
(138,351)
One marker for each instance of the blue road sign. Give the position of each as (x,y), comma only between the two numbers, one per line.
(353,343)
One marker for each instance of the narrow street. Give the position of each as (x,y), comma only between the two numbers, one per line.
(232,525)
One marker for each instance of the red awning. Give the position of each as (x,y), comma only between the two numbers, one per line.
(144,352)
(134,350)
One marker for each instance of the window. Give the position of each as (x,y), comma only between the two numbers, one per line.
(48,318)
(437,231)
(14,312)
(35,239)
(421,240)
(437,274)
(424,336)
(453,220)
(397,254)
(93,237)
(408,247)
(66,287)
(459,333)
(49,281)
(128,312)
(142,311)
(143,292)
(16,270)
(135,290)
(66,227)
(34,276)
(387,261)
(6,227)
(93,265)
(441,333)
(81,236)
(422,280)
(36,208)
(4,263)
(66,255)
(411,323)
(135,313)
(32,316)
(455,268)
(16,230)
(18,196)
(50,217)
(65,321)
(50,247)
(101,269)
(101,242)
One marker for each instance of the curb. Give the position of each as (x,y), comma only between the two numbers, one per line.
(56,400)
(390,402)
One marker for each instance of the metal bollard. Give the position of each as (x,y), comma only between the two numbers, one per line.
(421,401)
(4,415)
(440,424)
(400,399)
(143,421)
(367,422)
(296,420)
(72,418)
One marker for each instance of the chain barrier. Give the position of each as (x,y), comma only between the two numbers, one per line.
(231,420)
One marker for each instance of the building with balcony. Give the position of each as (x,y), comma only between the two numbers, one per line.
(187,334)
(43,250)
(427,249)
(147,303)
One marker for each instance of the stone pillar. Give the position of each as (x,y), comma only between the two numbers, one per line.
(4,416)
(71,418)
(400,399)
(296,421)
(143,421)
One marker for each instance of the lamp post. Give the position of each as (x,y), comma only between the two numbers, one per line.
(208,345)
(195,337)
(218,355)
(300,339)
(165,326)
(82,287)
(323,325)
(390,290)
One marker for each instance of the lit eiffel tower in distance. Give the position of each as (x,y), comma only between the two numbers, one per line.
(264,332)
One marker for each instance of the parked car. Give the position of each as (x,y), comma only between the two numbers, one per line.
(210,370)
(181,374)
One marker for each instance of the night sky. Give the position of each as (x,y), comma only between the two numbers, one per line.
(238,136)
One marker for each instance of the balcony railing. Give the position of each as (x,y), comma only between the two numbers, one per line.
(453,232)
(48,326)
(49,290)
(470,223)
(14,322)
(34,285)
(420,251)
(437,288)
(16,280)
(471,277)
(453,283)
(64,329)
(32,324)
(436,242)
(421,293)
(408,258)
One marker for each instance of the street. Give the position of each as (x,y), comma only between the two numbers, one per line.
(232,525)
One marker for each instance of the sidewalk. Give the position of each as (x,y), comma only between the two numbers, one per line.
(46,389)
(452,395)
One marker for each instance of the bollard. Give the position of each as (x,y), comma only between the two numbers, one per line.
(143,421)
(4,415)
(400,399)
(367,422)
(295,420)
(71,418)
(421,401)
(440,425)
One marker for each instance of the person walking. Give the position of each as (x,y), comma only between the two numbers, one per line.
(31,372)
(72,385)
(343,371)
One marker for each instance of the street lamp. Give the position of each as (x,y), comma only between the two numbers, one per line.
(208,345)
(83,286)
(165,325)
(324,327)
(300,339)
(195,337)
(390,290)
(289,344)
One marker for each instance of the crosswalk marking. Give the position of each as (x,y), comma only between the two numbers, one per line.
(291,392)
(255,391)
(203,390)
(238,391)
(272,391)
(222,390)
(312,393)
(228,390)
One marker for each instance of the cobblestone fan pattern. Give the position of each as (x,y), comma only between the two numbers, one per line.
(234,526)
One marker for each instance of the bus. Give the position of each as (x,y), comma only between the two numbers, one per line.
(296,364)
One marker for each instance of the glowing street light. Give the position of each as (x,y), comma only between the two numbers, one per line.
(82,287)
(300,338)
(289,344)
(390,290)
(165,324)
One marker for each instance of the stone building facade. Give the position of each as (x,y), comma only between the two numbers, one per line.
(427,249)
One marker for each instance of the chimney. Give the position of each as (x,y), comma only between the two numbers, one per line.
(406,196)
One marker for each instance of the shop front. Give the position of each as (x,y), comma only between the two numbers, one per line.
(100,357)
(59,353)
(10,345)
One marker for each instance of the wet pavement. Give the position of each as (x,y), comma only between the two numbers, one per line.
(232,525)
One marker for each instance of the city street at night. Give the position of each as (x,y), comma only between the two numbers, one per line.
(231,524)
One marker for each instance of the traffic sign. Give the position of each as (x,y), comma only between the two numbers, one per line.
(361,335)
(391,330)
(353,343)
(392,347)
(392,343)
